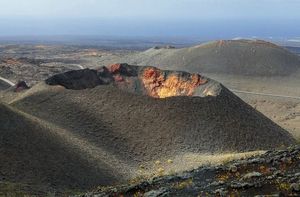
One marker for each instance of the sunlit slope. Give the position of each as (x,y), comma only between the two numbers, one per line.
(243,57)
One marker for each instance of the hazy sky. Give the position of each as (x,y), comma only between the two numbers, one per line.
(149,9)
(150,17)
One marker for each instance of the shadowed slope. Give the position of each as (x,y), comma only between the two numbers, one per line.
(44,155)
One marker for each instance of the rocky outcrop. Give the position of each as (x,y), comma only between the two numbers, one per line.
(275,173)
(21,85)
(147,80)
(76,79)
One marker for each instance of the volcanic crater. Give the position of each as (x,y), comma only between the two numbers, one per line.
(117,118)
(148,80)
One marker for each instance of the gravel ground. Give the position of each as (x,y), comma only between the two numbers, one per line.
(275,173)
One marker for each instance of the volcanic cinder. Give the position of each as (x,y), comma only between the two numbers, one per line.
(238,57)
(113,119)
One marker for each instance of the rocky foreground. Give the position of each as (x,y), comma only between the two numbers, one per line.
(274,173)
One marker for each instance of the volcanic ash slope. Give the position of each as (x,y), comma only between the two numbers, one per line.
(96,127)
(37,152)
(237,57)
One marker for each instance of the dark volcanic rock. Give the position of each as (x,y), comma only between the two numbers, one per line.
(21,85)
(76,79)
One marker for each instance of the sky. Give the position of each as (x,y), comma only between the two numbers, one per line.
(202,18)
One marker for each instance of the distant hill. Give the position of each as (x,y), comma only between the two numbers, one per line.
(33,70)
(96,127)
(243,57)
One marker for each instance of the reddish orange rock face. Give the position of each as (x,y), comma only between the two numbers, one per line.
(118,78)
(159,84)
(151,73)
(114,68)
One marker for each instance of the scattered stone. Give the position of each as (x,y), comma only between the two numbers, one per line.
(251,175)
(157,193)
(217,183)
(297,174)
(255,160)
(169,161)
(277,173)
(238,185)
(270,177)
(221,192)
(295,187)
(233,168)
(206,180)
